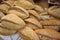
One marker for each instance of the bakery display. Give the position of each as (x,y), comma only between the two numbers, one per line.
(29,20)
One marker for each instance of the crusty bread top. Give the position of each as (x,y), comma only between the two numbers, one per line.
(50,23)
(28,34)
(34,21)
(34,13)
(13,18)
(6,32)
(54,11)
(49,33)
(19,11)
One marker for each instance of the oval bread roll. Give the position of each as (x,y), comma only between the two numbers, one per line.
(49,33)
(10,2)
(5,32)
(25,4)
(54,11)
(34,22)
(34,13)
(57,28)
(28,34)
(51,23)
(32,1)
(19,11)
(38,8)
(46,16)
(34,27)
(12,22)
(5,6)
(1,14)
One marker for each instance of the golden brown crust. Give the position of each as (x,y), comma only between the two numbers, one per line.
(49,33)
(32,1)
(19,11)
(11,2)
(28,34)
(44,15)
(25,4)
(12,22)
(34,13)
(52,27)
(5,6)
(5,2)
(54,11)
(32,26)
(34,21)
(50,23)
(5,32)
(39,8)
(1,14)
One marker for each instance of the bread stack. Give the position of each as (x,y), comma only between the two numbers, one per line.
(29,20)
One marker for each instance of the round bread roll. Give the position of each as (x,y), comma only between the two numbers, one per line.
(19,11)
(5,32)
(48,34)
(12,22)
(25,4)
(28,34)
(33,23)
(5,6)
(54,11)
(34,13)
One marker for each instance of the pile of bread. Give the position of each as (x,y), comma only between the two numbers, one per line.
(29,20)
